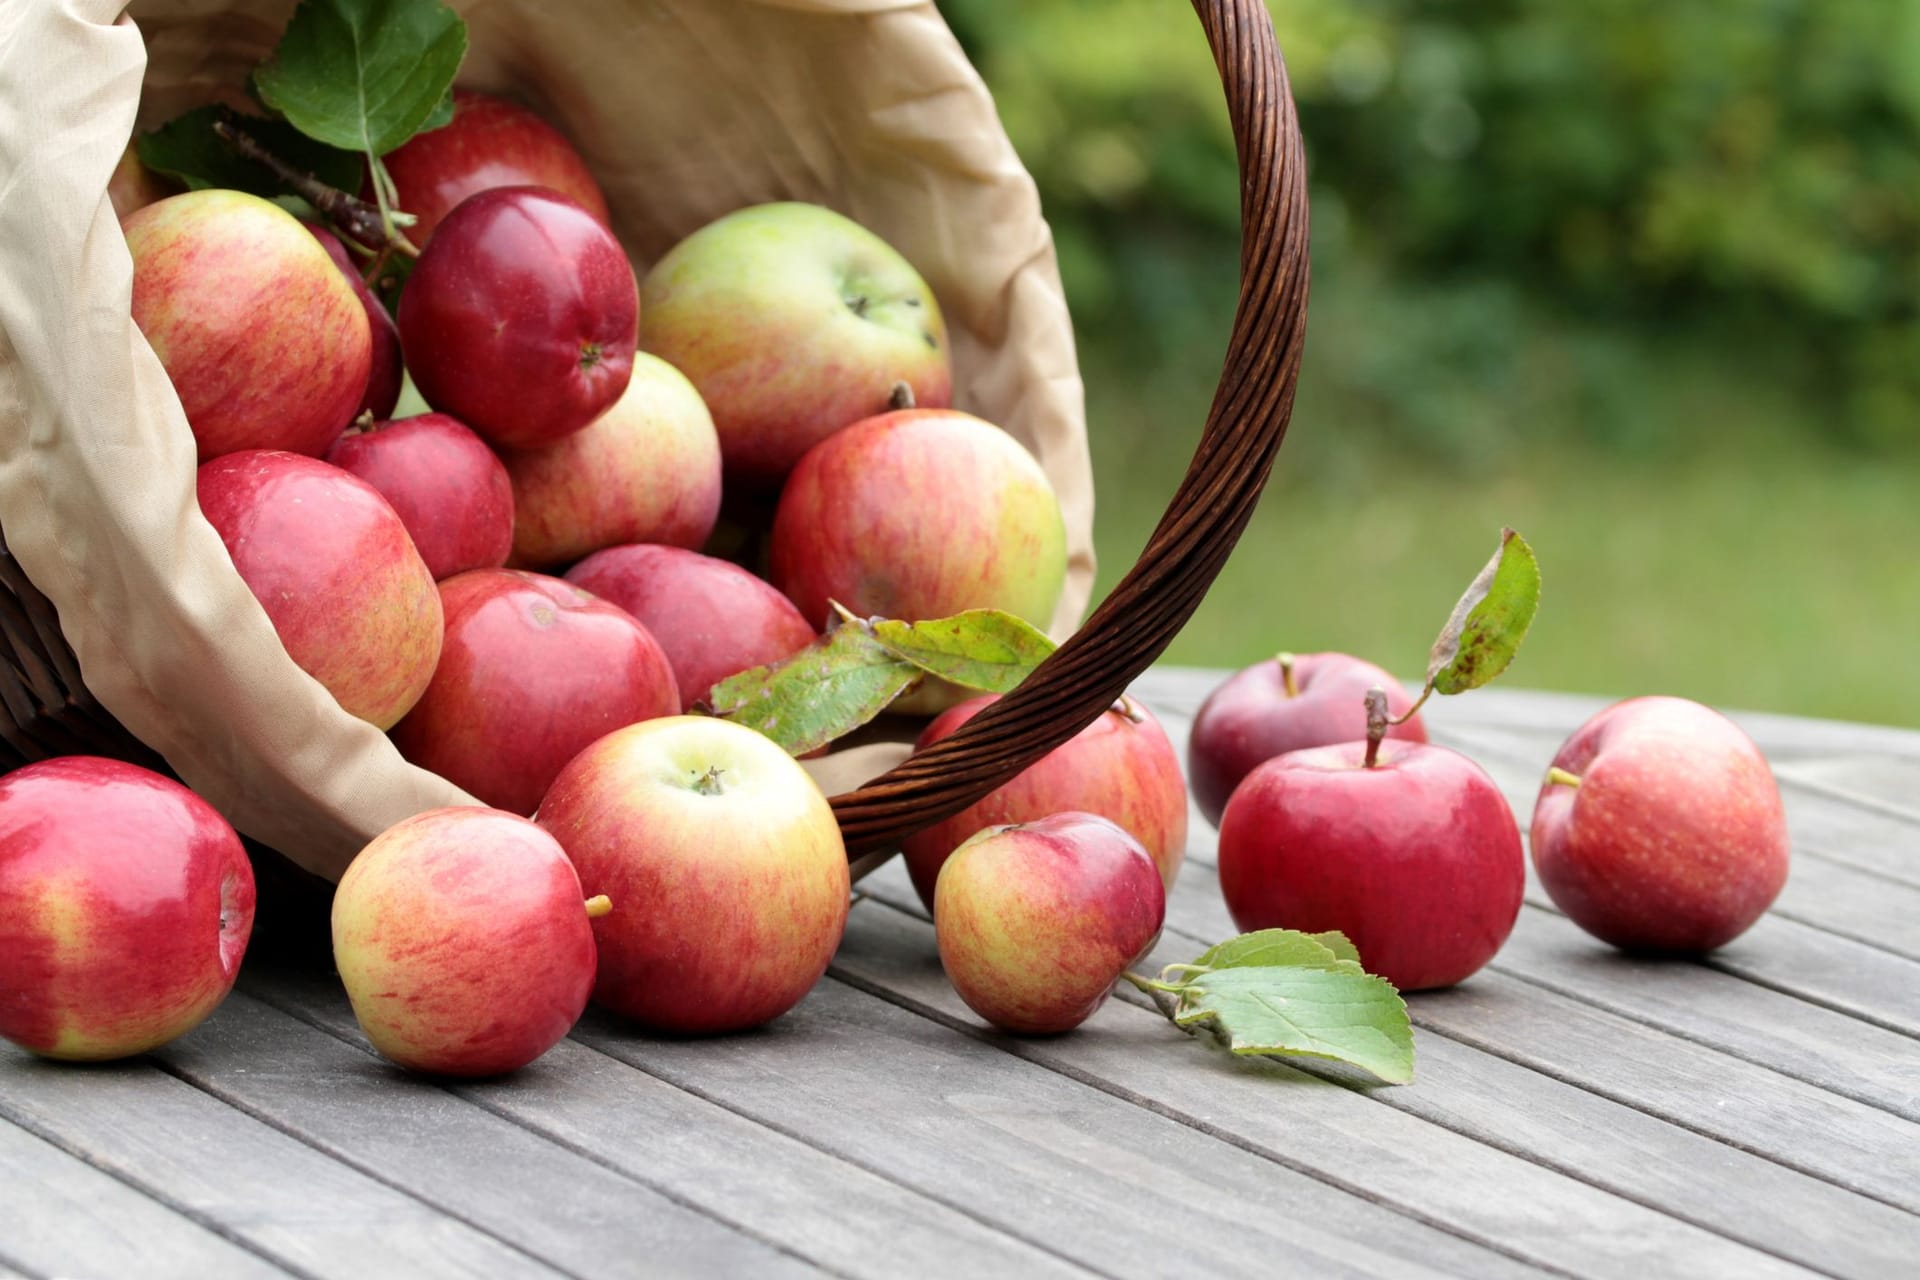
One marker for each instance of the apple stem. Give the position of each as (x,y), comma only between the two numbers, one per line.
(901,397)
(359,221)
(1414,710)
(708,784)
(1286,661)
(598,905)
(1377,723)
(1125,707)
(1559,777)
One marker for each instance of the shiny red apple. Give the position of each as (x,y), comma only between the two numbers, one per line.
(1121,767)
(1287,704)
(126,903)
(713,618)
(331,563)
(447,487)
(1660,828)
(384,373)
(533,670)
(1036,921)
(520,317)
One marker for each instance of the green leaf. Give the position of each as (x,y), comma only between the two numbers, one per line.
(982,648)
(1337,942)
(364,75)
(1490,621)
(824,692)
(1278,947)
(187,148)
(1335,1013)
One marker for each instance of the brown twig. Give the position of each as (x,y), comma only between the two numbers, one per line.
(352,217)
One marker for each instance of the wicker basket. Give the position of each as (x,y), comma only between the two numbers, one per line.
(49,710)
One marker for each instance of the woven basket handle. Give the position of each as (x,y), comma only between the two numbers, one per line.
(1135,623)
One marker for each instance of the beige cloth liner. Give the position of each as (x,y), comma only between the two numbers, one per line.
(685,109)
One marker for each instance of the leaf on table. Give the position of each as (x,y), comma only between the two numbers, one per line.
(825,691)
(1280,947)
(1489,622)
(187,148)
(984,649)
(365,75)
(1334,1012)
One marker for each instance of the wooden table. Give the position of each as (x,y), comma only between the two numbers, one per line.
(1575,1112)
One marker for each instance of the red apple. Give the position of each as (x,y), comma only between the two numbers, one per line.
(448,488)
(134,186)
(713,618)
(725,866)
(920,513)
(1416,858)
(332,565)
(1036,921)
(1121,767)
(646,470)
(125,906)
(1659,828)
(793,322)
(1288,704)
(534,669)
(520,318)
(383,376)
(266,344)
(464,943)
(490,142)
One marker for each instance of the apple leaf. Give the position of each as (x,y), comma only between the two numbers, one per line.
(827,690)
(1490,620)
(982,649)
(1279,946)
(365,75)
(187,148)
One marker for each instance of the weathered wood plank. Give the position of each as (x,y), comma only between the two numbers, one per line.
(460,1158)
(59,1216)
(247,1180)
(1492,1190)
(842,1216)
(1861,981)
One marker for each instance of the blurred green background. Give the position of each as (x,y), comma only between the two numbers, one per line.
(1641,280)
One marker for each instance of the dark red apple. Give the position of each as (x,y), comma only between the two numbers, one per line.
(713,618)
(490,142)
(1288,704)
(1416,857)
(126,903)
(533,670)
(1036,921)
(1660,828)
(332,565)
(1121,767)
(520,318)
(449,489)
(383,376)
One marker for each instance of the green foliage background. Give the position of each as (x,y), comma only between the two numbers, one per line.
(1637,278)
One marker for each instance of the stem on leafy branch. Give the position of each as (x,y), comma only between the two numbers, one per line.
(1286,661)
(598,905)
(1377,723)
(901,397)
(1127,709)
(1414,710)
(1159,992)
(1561,778)
(355,219)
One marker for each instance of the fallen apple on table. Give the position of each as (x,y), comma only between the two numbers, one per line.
(449,490)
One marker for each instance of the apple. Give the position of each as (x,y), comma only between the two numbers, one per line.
(713,618)
(1121,767)
(447,487)
(724,862)
(1287,704)
(126,903)
(793,321)
(1036,921)
(920,513)
(534,669)
(266,344)
(1407,848)
(1659,828)
(332,565)
(520,317)
(646,470)
(383,375)
(491,142)
(463,940)
(134,186)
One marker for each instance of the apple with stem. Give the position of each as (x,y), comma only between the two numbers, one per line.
(385,372)
(1286,704)
(793,321)
(126,904)
(1659,828)
(464,942)
(449,490)
(729,864)
(265,342)
(1036,921)
(520,317)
